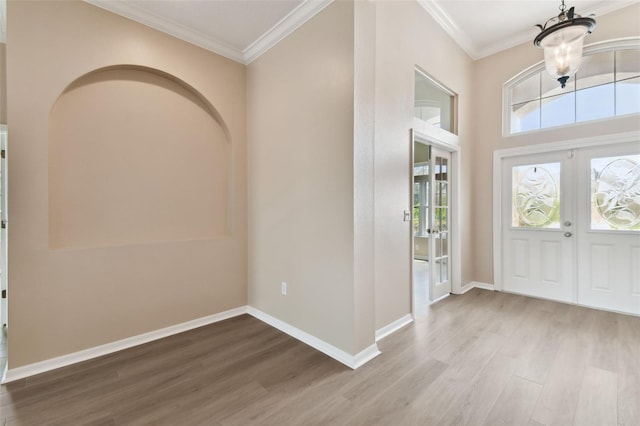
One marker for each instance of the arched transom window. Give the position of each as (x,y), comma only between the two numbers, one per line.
(606,85)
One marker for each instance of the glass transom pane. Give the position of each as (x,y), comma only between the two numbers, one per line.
(433,105)
(558,110)
(525,117)
(628,96)
(595,102)
(627,64)
(595,70)
(526,90)
(606,85)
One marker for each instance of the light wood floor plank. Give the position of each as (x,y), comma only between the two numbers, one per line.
(463,362)
(515,404)
(597,403)
(472,406)
(441,395)
(558,399)
(628,382)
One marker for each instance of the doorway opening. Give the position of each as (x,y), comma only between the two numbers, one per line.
(434,248)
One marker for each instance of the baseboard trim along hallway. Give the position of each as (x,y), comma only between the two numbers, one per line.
(351,361)
(477,284)
(18,373)
(391,328)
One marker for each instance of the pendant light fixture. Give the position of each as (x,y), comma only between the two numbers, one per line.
(562,38)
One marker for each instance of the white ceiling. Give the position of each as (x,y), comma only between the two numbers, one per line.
(239,29)
(244,29)
(485,27)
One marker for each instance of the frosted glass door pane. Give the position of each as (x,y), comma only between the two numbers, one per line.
(536,196)
(615,193)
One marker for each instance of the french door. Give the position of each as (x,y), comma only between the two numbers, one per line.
(439,220)
(571,226)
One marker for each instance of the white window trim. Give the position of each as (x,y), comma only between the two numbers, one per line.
(626,43)
(436,133)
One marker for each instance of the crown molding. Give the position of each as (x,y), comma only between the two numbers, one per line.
(294,20)
(476,52)
(168,26)
(449,26)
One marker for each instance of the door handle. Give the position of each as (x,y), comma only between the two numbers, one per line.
(567,234)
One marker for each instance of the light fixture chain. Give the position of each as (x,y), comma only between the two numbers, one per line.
(562,7)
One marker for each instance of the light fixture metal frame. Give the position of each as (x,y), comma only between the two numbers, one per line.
(565,19)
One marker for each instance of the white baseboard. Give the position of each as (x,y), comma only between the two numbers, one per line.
(14,374)
(351,361)
(476,284)
(485,286)
(391,328)
(363,357)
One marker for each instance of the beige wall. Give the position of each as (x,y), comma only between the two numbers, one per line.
(301,178)
(328,112)
(65,300)
(364,36)
(135,158)
(489,75)
(407,37)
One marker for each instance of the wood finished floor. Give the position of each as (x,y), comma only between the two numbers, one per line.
(483,358)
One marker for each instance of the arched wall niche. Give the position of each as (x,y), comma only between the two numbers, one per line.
(136,156)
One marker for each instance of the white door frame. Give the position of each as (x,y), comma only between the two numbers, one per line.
(501,154)
(4,317)
(448,143)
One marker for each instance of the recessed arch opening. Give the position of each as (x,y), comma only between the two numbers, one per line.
(136,155)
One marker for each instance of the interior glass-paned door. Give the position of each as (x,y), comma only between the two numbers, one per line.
(440,283)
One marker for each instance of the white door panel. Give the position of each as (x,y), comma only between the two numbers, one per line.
(571,227)
(609,227)
(536,253)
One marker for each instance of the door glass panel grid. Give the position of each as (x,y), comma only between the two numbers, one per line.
(441,216)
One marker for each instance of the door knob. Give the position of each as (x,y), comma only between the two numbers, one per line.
(567,223)
(567,234)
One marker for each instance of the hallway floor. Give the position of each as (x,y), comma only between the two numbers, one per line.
(482,358)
